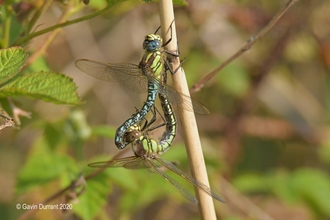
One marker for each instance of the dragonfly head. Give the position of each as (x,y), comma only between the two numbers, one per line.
(152,42)
(132,134)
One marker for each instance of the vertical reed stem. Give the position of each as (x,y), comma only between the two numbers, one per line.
(188,121)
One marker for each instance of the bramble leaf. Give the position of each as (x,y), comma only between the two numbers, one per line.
(48,86)
(11,62)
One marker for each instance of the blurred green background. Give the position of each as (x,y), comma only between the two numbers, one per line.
(266,142)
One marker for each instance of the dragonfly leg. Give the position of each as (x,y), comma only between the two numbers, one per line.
(168,67)
(157,30)
(153,119)
(155,111)
(169,40)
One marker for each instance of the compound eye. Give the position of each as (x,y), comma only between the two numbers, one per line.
(145,44)
(153,45)
(132,136)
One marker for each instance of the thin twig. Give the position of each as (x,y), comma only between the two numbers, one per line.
(49,29)
(37,15)
(51,36)
(200,84)
(188,121)
(232,127)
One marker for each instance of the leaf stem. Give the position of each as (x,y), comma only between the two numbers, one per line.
(37,14)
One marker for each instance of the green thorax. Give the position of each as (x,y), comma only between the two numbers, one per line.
(152,62)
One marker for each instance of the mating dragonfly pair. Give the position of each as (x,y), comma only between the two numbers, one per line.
(149,75)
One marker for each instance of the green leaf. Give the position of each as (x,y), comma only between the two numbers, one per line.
(180,2)
(234,79)
(38,65)
(48,86)
(41,168)
(123,178)
(251,182)
(104,131)
(313,186)
(118,175)
(94,197)
(176,2)
(11,62)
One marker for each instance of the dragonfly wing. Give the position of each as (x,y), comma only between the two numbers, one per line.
(136,84)
(183,191)
(128,74)
(182,100)
(139,163)
(114,163)
(195,182)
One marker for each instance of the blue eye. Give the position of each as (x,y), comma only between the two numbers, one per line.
(151,45)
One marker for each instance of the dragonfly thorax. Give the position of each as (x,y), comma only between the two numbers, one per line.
(152,42)
(146,147)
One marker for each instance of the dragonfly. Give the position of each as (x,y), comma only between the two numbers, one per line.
(146,76)
(147,149)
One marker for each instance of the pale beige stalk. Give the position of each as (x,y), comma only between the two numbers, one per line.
(187,119)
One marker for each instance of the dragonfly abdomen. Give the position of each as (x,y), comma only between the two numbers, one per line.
(119,138)
(168,136)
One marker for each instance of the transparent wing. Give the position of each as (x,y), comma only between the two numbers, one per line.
(128,74)
(195,182)
(126,162)
(115,163)
(132,77)
(176,98)
(153,164)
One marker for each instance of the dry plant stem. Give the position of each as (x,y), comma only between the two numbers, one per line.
(8,124)
(46,30)
(18,112)
(199,85)
(50,37)
(232,127)
(188,121)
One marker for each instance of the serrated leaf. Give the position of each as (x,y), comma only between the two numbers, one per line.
(48,86)
(11,62)
(94,198)
(41,168)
